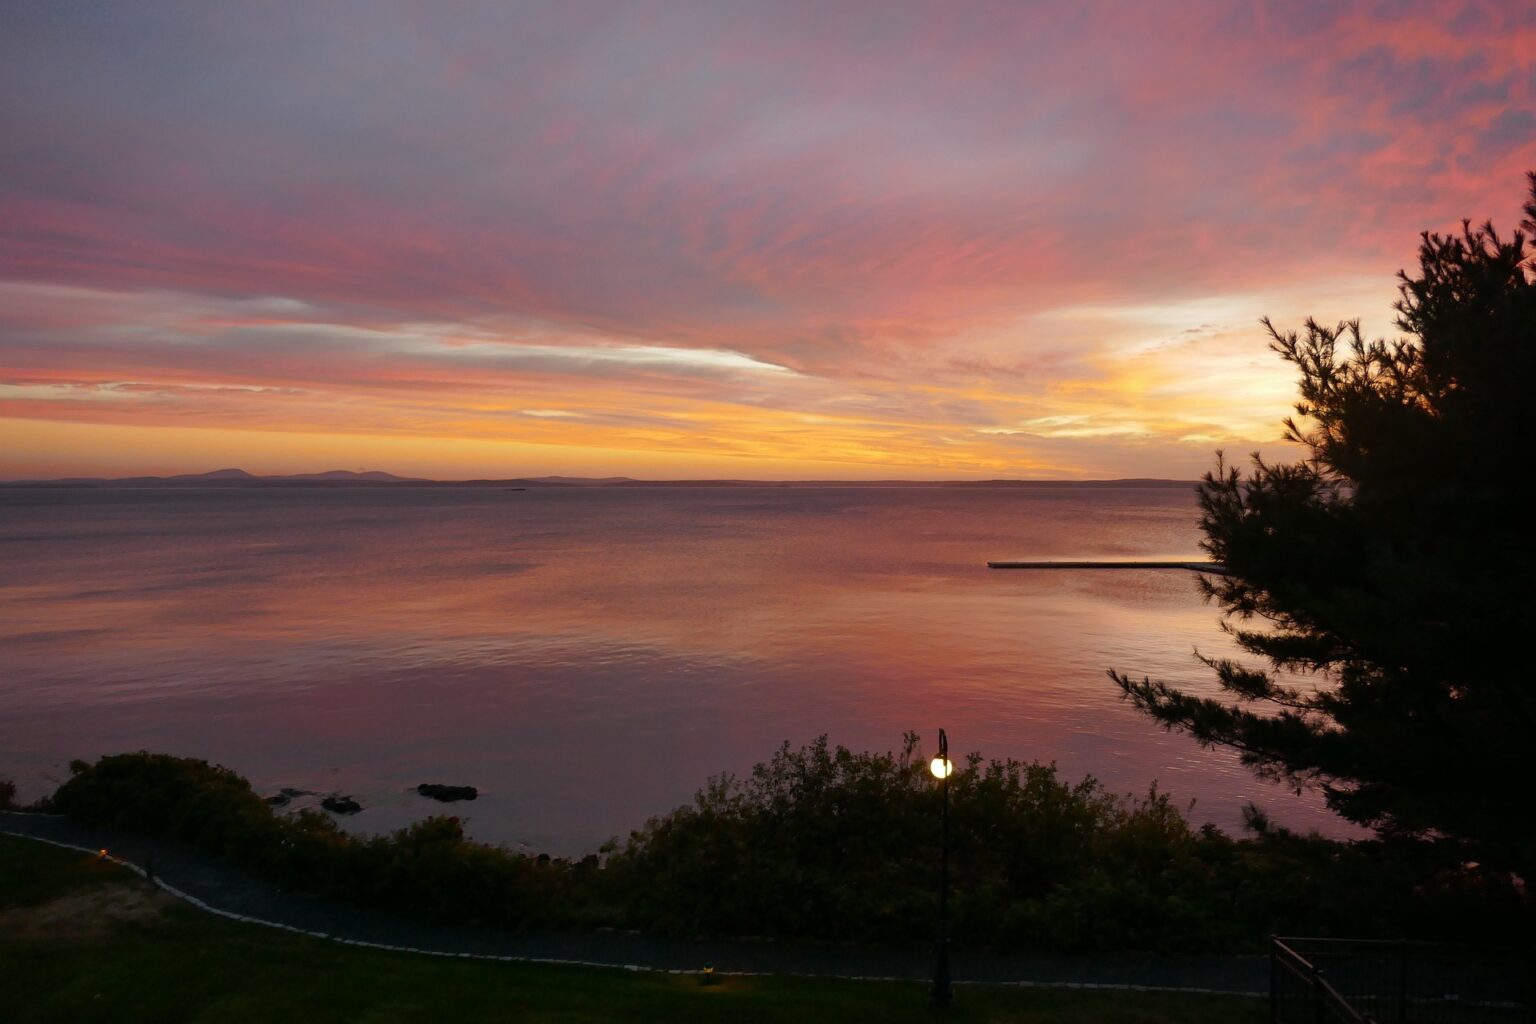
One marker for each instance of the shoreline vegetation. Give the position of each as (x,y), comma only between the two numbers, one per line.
(825,844)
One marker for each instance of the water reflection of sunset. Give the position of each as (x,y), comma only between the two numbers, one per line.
(467,633)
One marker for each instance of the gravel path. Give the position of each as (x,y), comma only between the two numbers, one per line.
(227,890)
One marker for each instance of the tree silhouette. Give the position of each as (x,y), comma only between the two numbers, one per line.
(1386,579)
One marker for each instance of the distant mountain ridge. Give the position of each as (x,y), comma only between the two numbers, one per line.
(226,478)
(236,478)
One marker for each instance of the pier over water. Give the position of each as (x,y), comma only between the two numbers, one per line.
(1192,566)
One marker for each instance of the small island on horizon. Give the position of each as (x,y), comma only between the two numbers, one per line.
(239,478)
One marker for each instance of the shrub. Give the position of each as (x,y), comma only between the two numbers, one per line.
(207,806)
(824,843)
(830,844)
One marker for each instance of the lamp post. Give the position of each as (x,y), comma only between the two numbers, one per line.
(942,768)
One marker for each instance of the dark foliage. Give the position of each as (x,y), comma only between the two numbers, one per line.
(428,870)
(825,844)
(1386,580)
(205,806)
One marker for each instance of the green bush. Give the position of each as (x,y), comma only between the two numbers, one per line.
(824,843)
(204,805)
(831,844)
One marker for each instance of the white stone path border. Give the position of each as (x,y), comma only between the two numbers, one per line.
(202,905)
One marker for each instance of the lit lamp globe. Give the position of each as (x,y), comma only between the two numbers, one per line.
(941,767)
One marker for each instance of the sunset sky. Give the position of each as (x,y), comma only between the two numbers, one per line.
(779,240)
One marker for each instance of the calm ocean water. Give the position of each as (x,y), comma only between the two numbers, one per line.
(588,657)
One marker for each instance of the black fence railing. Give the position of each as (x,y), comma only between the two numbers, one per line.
(1359,981)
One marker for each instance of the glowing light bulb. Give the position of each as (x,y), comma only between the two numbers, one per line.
(941,767)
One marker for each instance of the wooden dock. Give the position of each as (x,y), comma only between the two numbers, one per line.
(1210,567)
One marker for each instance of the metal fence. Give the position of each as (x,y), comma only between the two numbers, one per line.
(1358,981)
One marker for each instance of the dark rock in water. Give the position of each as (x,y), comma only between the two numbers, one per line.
(447,794)
(288,792)
(341,804)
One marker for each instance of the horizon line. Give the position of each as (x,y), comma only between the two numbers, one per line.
(386,478)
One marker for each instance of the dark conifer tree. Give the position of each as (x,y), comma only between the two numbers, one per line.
(1385,580)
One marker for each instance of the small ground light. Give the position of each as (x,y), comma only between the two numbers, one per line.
(707,975)
(102,853)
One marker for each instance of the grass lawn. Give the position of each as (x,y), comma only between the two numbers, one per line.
(83,940)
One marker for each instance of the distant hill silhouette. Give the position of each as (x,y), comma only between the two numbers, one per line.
(347,476)
(228,478)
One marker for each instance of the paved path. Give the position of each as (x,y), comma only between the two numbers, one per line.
(225,889)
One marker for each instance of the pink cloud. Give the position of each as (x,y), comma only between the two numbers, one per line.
(878,197)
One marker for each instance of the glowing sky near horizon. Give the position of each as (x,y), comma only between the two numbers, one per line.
(715,239)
